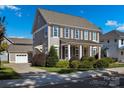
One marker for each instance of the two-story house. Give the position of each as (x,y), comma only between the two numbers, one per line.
(113,43)
(70,35)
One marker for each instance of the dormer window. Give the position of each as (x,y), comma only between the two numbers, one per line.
(55,31)
(66,32)
(77,34)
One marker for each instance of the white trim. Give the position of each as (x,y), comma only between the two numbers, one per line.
(66,29)
(86,33)
(53,29)
(69,52)
(75,27)
(80,51)
(77,30)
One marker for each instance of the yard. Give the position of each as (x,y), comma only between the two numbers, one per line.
(70,70)
(115,65)
(8,73)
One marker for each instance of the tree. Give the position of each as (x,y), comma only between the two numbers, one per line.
(52,58)
(2,33)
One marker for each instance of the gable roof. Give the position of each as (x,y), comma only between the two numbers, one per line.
(111,34)
(24,41)
(52,17)
(20,48)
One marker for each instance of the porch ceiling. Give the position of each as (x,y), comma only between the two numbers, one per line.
(77,42)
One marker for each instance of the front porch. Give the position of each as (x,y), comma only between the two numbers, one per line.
(79,48)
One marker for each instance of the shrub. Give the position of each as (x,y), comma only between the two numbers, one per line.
(88,58)
(108,59)
(74,64)
(52,58)
(102,63)
(86,64)
(73,58)
(39,60)
(65,71)
(62,64)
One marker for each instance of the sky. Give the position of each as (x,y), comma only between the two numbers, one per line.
(19,19)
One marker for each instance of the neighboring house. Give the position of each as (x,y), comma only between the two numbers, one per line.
(19,50)
(70,35)
(113,44)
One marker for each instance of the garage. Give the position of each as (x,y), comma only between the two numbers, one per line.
(21,58)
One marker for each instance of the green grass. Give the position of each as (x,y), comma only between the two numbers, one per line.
(8,73)
(114,65)
(58,70)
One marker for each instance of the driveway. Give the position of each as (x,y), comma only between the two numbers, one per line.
(24,68)
(120,70)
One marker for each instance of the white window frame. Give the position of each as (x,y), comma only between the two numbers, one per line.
(94,36)
(94,51)
(77,33)
(66,31)
(86,36)
(57,27)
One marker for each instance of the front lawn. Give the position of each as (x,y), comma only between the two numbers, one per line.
(8,73)
(114,65)
(63,70)
(58,70)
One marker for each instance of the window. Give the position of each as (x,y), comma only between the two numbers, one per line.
(85,35)
(76,51)
(66,52)
(55,31)
(122,41)
(77,34)
(66,32)
(94,51)
(122,53)
(94,36)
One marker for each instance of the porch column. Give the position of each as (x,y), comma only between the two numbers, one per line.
(69,52)
(99,52)
(90,51)
(80,52)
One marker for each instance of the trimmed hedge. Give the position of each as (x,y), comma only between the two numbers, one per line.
(101,63)
(62,64)
(74,64)
(86,64)
(108,59)
(74,58)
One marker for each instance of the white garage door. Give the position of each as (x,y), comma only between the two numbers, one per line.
(21,58)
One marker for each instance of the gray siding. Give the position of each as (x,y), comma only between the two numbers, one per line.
(11,57)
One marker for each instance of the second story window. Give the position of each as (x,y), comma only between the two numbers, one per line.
(122,41)
(94,36)
(55,31)
(85,35)
(66,32)
(77,34)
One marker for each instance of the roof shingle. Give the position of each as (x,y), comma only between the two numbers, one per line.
(64,19)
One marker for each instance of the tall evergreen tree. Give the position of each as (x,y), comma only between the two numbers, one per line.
(52,58)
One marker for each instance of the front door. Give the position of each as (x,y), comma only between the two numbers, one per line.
(85,51)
